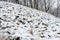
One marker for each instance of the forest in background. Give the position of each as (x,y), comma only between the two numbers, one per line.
(50,6)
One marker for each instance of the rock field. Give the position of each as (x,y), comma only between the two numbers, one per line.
(18,22)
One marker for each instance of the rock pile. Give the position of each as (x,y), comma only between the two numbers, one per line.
(18,22)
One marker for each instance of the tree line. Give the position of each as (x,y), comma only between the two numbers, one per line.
(50,6)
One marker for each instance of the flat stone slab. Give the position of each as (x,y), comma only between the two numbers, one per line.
(18,22)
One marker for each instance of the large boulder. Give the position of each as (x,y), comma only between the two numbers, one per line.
(18,22)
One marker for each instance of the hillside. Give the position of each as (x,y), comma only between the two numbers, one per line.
(22,23)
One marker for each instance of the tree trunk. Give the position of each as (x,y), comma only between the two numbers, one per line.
(36,4)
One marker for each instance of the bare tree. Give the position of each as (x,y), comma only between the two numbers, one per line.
(58,5)
(46,7)
(36,4)
(30,3)
(25,2)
